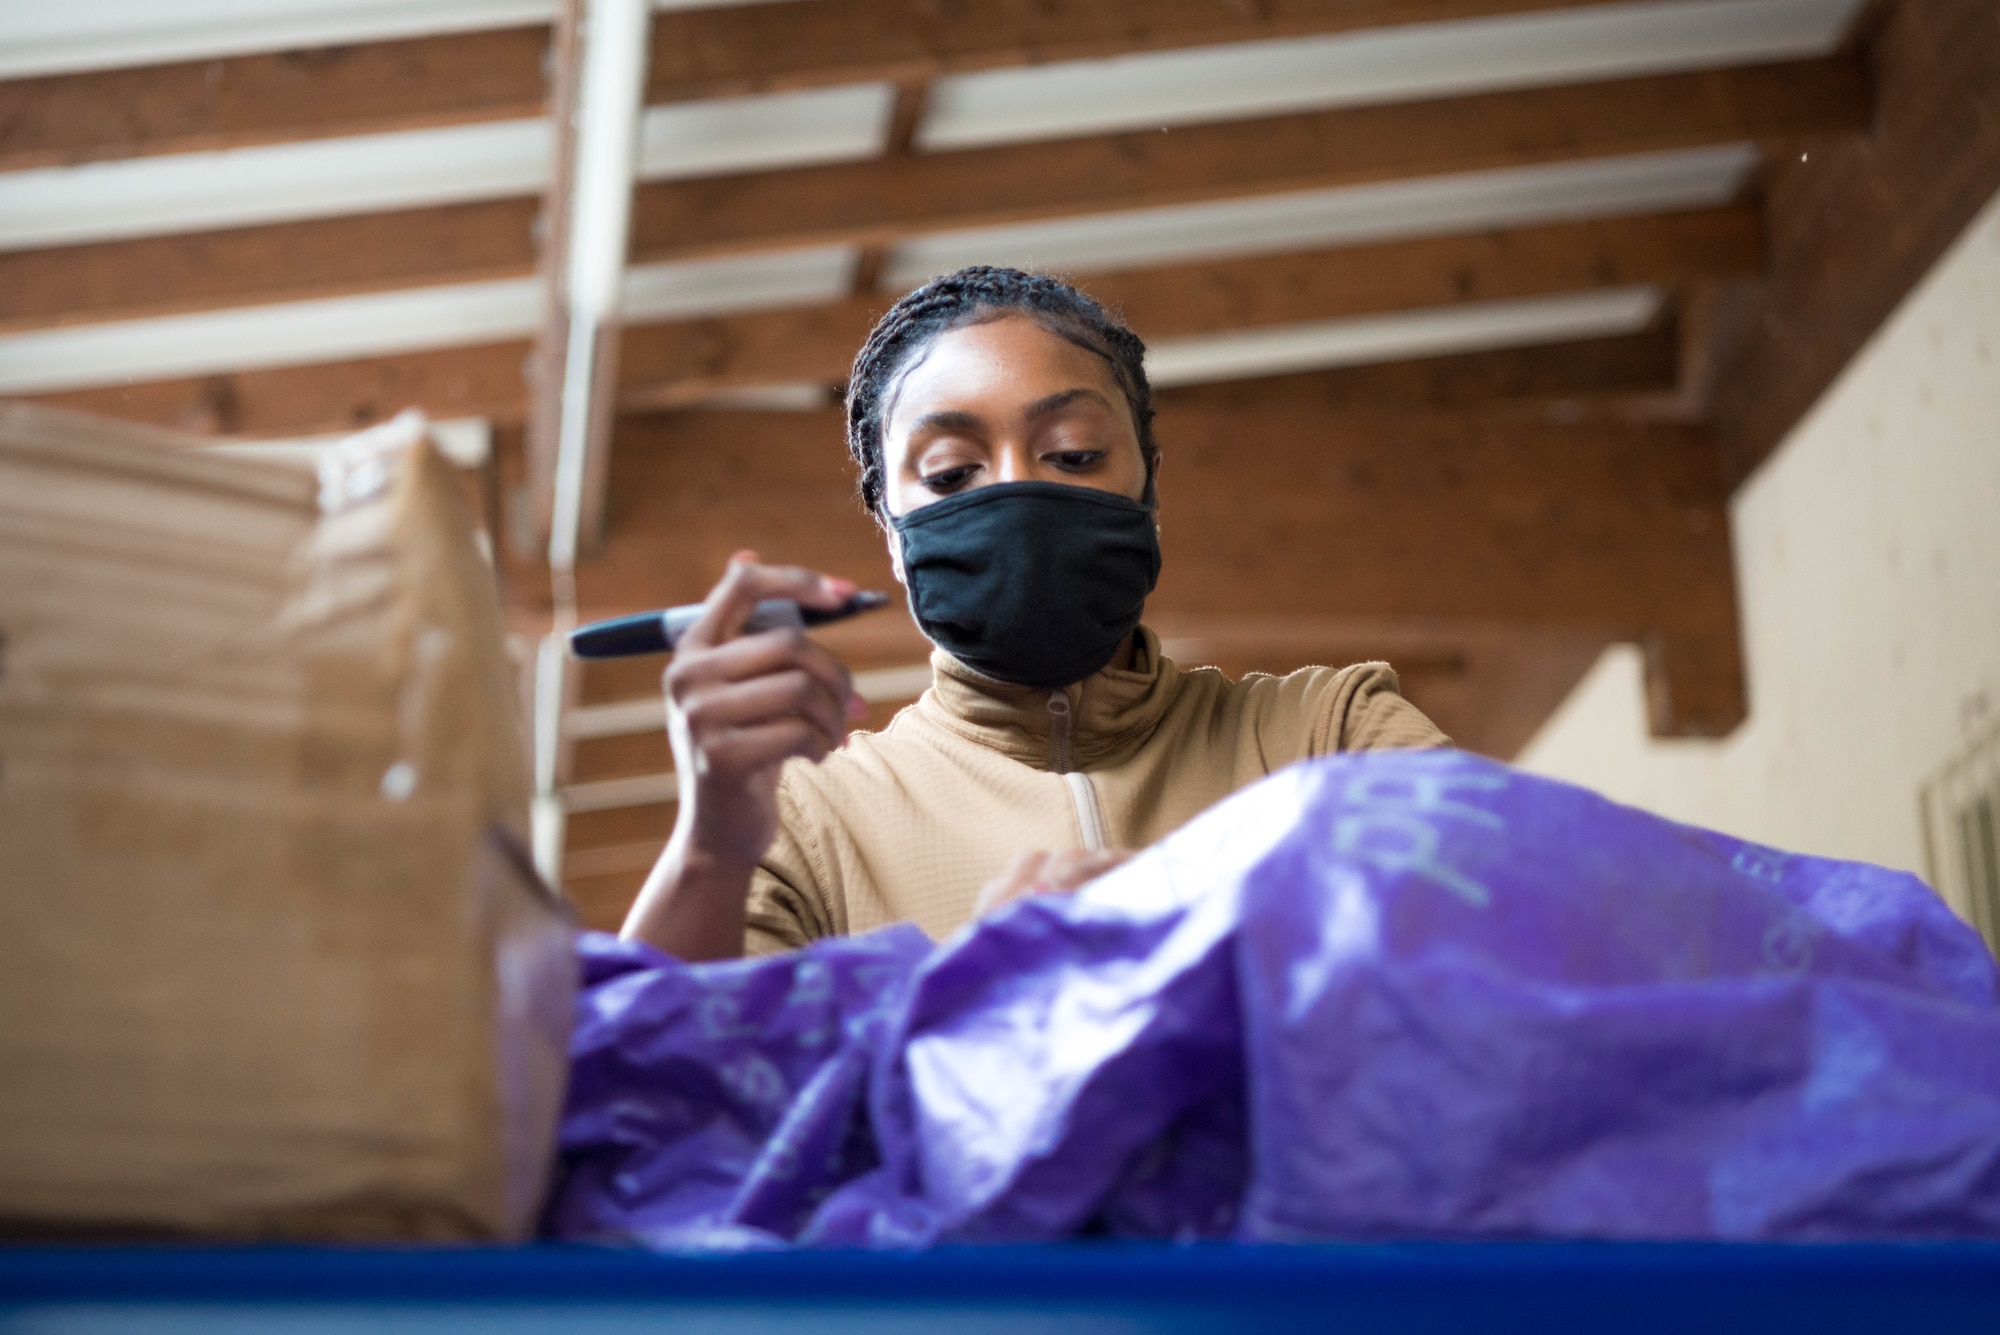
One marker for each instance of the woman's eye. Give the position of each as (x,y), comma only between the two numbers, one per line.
(1076,461)
(950,479)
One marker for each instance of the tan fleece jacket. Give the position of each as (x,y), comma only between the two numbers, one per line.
(906,824)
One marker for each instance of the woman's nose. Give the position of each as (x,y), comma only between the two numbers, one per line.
(1015,462)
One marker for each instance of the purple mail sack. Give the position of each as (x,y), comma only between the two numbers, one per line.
(1412,994)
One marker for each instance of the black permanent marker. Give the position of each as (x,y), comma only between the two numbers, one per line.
(658,632)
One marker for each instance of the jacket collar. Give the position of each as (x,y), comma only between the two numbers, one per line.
(1112,712)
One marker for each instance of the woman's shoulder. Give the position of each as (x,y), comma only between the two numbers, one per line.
(1269,692)
(1315,710)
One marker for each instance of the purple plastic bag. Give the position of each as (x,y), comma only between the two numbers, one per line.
(1394,994)
(717,1106)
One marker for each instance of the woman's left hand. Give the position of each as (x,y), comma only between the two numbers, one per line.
(1046,871)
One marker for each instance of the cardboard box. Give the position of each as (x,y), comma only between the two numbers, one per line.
(273,958)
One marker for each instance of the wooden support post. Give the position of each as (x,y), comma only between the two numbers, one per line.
(601,52)
(600,77)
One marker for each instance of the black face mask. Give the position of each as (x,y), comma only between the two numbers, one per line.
(1034,583)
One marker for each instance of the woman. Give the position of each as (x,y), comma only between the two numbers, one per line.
(1002,424)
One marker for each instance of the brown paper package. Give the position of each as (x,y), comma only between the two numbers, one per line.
(272,962)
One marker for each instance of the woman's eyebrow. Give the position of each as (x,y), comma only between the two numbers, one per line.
(948,419)
(1052,403)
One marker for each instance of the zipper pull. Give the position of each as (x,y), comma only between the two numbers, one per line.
(1059,732)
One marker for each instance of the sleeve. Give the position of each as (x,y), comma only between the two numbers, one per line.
(788,890)
(1365,711)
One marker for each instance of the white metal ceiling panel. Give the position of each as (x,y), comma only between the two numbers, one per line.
(239,187)
(108,34)
(111,34)
(1428,60)
(687,288)
(740,134)
(1349,215)
(257,337)
(379,324)
(320,178)
(1434,332)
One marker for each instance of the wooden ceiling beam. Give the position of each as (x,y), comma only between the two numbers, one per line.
(1622,376)
(463,242)
(480,381)
(247,266)
(1436,271)
(465,77)
(238,100)
(1610,530)
(1856,224)
(674,363)
(881,201)
(487,381)
(805,44)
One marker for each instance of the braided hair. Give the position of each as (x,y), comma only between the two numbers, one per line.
(972,296)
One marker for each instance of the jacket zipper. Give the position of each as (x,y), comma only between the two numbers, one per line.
(1060,752)
(1082,793)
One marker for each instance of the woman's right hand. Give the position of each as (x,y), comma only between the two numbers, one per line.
(738,707)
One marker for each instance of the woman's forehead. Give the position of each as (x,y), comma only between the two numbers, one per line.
(1008,360)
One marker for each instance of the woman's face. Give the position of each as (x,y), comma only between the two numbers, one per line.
(1006,401)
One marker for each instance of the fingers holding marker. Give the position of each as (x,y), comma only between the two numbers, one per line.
(769,651)
(722,679)
(761,747)
(747,583)
(766,698)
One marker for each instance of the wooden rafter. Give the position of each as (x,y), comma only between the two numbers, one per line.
(465,77)
(882,201)
(263,99)
(480,381)
(487,381)
(1622,376)
(805,44)
(1856,224)
(1436,271)
(246,266)
(670,363)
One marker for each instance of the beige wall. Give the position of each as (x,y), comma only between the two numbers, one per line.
(1868,557)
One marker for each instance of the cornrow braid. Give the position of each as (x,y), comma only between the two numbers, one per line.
(973,296)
